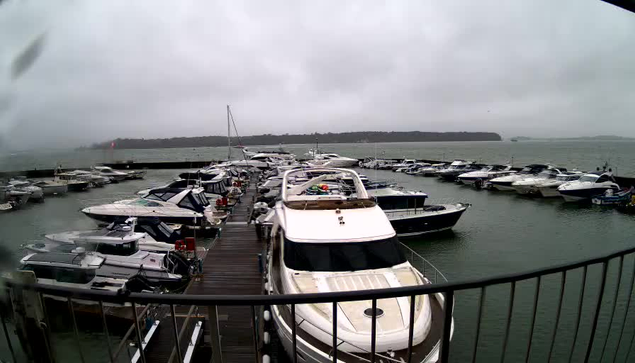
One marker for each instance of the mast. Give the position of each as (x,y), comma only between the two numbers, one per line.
(229,140)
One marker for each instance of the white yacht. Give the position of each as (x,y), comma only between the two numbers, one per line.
(114,175)
(529,186)
(36,193)
(52,187)
(456,168)
(588,186)
(486,173)
(549,188)
(504,183)
(403,165)
(326,241)
(180,206)
(431,170)
(331,160)
(75,182)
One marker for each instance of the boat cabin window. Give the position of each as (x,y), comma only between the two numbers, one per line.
(189,202)
(41,272)
(216,188)
(343,256)
(401,202)
(74,275)
(589,178)
(603,178)
(120,249)
(164,196)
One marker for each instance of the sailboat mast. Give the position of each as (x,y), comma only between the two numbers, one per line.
(229,140)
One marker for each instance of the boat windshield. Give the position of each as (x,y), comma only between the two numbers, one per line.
(119,249)
(547,174)
(589,178)
(344,256)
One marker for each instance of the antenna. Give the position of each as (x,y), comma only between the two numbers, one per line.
(229,140)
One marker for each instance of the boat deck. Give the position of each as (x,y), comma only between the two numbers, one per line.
(231,266)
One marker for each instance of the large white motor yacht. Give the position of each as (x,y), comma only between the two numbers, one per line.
(331,160)
(109,172)
(327,241)
(486,173)
(549,188)
(588,186)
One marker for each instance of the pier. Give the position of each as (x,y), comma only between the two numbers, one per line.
(230,267)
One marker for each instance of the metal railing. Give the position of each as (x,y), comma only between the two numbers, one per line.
(576,311)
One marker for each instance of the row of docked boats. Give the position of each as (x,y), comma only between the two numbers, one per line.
(17,191)
(542,180)
(144,244)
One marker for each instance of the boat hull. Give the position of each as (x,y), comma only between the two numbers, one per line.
(549,192)
(502,186)
(55,189)
(426,222)
(580,195)
(107,218)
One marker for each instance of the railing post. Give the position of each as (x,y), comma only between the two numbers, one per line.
(533,319)
(135,315)
(6,335)
(510,310)
(478,323)
(106,333)
(214,331)
(373,331)
(580,302)
(447,326)
(254,326)
(597,312)
(617,292)
(294,335)
(628,306)
(555,328)
(411,328)
(177,343)
(75,330)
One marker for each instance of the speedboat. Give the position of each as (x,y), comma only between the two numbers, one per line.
(12,198)
(109,172)
(36,193)
(409,216)
(432,170)
(403,165)
(332,160)
(504,183)
(181,206)
(156,236)
(549,188)
(74,182)
(325,241)
(455,169)
(588,186)
(92,177)
(529,186)
(414,170)
(486,173)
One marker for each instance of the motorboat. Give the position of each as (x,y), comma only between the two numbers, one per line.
(379,164)
(74,182)
(12,198)
(403,165)
(455,169)
(181,206)
(77,270)
(93,178)
(410,216)
(325,241)
(588,186)
(331,160)
(611,198)
(549,188)
(108,172)
(529,185)
(36,193)
(136,174)
(504,183)
(150,234)
(52,187)
(204,174)
(414,170)
(432,170)
(480,177)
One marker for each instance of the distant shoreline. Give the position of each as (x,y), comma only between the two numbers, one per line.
(308,139)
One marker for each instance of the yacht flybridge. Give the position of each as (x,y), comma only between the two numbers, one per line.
(325,239)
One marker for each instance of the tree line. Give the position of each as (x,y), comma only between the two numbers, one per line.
(269,139)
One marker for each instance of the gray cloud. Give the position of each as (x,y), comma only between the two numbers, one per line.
(163,68)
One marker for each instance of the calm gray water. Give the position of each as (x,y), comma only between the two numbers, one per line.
(584,155)
(501,233)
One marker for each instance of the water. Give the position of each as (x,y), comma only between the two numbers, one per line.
(501,233)
(584,155)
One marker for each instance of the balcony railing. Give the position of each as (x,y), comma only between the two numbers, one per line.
(572,312)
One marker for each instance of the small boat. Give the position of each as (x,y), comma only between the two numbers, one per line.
(611,198)
(529,186)
(455,169)
(52,187)
(414,170)
(74,182)
(432,170)
(136,174)
(480,177)
(36,193)
(14,197)
(403,165)
(504,183)
(588,186)
(114,175)
(410,216)
(332,160)
(95,180)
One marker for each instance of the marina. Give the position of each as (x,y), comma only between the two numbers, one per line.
(233,265)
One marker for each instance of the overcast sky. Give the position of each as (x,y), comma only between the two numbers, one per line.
(153,68)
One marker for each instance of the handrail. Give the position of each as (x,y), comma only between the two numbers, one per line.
(246,300)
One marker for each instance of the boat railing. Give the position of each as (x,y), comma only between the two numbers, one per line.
(576,311)
(424,266)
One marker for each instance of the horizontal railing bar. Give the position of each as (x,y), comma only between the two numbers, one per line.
(223,300)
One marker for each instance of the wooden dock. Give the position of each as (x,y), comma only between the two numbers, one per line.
(231,266)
